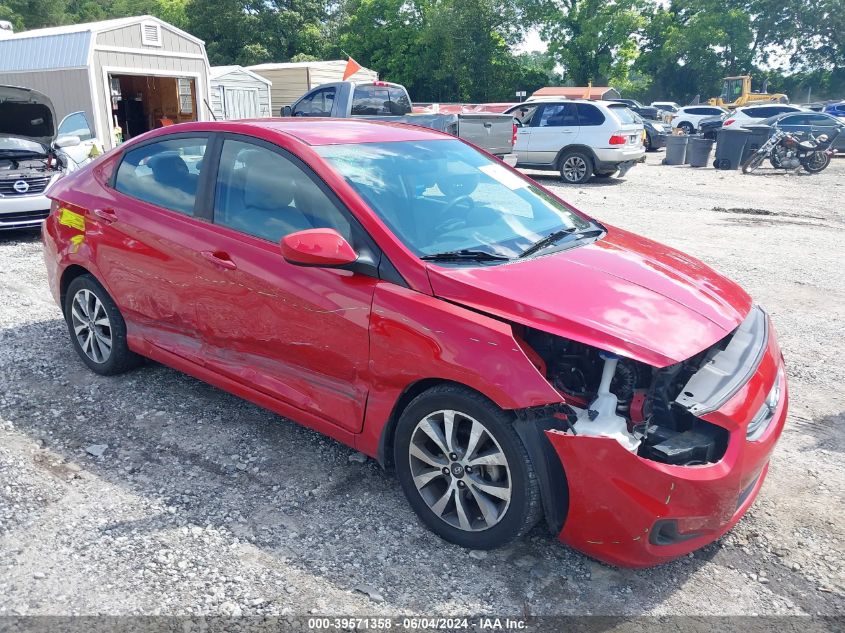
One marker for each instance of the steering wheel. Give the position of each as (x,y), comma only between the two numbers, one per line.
(452,223)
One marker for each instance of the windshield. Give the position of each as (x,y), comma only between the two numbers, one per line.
(444,196)
(12,144)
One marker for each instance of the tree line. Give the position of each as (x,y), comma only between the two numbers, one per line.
(463,50)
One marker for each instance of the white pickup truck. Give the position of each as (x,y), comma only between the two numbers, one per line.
(382,100)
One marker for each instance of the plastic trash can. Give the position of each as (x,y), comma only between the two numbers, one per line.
(698,151)
(758,134)
(676,150)
(729,147)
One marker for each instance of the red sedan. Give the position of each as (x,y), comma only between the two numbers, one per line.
(410,296)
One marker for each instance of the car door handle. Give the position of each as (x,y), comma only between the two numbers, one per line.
(488,125)
(106,215)
(220,259)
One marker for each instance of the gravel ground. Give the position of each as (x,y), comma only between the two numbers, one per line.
(153,493)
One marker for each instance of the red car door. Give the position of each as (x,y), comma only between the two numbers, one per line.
(298,334)
(147,248)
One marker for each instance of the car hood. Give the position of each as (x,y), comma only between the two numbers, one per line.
(28,114)
(623,293)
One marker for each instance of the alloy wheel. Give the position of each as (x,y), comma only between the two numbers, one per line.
(574,168)
(91,326)
(460,470)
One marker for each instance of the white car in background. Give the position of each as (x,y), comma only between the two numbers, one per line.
(577,137)
(33,156)
(688,117)
(749,115)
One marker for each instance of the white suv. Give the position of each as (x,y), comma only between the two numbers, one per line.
(748,115)
(688,117)
(578,138)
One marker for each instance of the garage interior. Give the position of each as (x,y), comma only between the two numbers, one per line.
(142,102)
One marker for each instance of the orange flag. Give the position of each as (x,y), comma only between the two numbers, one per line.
(352,67)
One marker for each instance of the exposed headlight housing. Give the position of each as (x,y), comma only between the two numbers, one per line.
(761,420)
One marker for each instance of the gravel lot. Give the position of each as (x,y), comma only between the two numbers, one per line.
(201,503)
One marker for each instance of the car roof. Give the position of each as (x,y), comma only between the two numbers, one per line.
(783,115)
(325,131)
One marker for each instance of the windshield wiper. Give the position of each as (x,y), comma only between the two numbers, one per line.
(553,238)
(465,254)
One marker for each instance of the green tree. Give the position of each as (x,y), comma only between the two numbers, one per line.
(591,39)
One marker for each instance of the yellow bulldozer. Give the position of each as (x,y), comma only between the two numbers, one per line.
(736,92)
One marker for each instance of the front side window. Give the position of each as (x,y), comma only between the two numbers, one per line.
(303,107)
(265,194)
(165,173)
(558,115)
(321,103)
(444,196)
(76,124)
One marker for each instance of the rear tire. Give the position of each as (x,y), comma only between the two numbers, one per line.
(814,164)
(478,493)
(576,167)
(687,127)
(753,162)
(97,329)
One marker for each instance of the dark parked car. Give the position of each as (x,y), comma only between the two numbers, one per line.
(815,122)
(646,112)
(655,133)
(710,126)
(835,109)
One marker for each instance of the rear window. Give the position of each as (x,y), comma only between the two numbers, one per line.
(622,113)
(380,100)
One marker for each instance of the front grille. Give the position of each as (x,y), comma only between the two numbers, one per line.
(33,185)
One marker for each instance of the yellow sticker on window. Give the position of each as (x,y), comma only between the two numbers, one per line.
(72,219)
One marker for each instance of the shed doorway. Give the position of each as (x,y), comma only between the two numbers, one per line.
(140,103)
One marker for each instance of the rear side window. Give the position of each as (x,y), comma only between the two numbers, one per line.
(380,100)
(266,194)
(165,174)
(589,114)
(623,114)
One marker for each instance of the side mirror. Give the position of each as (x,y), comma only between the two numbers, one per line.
(318,247)
(287,111)
(67,141)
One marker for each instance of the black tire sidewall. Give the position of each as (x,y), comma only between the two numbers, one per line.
(517,519)
(121,358)
(687,128)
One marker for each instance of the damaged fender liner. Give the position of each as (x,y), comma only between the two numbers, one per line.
(726,370)
(532,425)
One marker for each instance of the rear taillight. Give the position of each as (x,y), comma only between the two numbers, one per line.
(617,139)
(513,135)
(729,122)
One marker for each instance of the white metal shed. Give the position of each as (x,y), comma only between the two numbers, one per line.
(238,93)
(291,80)
(134,73)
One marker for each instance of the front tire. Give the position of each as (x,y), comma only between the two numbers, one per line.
(576,167)
(464,469)
(97,329)
(753,162)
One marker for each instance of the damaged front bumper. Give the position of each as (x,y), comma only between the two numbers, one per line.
(633,512)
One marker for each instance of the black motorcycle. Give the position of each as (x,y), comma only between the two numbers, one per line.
(786,150)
